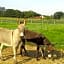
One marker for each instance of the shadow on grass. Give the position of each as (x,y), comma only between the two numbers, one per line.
(32,54)
(24,61)
(56,54)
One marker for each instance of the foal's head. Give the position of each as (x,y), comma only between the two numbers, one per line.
(48,44)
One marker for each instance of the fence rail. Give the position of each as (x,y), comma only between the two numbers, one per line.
(51,28)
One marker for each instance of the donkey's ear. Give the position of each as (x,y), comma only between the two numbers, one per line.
(21,21)
(24,21)
(18,21)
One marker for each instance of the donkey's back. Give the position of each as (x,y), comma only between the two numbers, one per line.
(5,36)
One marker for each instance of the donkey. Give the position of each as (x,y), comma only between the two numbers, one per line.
(11,38)
(36,38)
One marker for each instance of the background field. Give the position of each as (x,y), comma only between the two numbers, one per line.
(51,28)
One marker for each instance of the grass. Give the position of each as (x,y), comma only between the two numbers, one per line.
(54,32)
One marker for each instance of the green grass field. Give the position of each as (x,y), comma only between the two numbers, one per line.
(54,32)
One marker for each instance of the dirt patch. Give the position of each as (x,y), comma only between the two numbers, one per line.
(31,57)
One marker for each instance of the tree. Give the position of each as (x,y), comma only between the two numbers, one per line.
(19,14)
(10,13)
(28,14)
(58,15)
(2,10)
(1,13)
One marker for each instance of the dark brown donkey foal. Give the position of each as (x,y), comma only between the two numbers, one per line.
(36,38)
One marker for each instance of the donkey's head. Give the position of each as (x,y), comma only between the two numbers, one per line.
(21,25)
(48,44)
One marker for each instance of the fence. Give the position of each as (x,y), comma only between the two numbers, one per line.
(51,28)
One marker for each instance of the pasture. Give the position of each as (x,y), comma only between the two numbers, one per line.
(52,29)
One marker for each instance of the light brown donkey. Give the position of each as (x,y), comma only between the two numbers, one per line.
(11,38)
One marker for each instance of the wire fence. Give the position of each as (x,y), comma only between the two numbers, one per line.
(45,24)
(34,24)
(51,28)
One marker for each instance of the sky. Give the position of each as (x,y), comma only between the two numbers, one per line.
(44,7)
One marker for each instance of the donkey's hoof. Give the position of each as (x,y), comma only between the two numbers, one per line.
(37,59)
(15,62)
(44,58)
(1,59)
(26,54)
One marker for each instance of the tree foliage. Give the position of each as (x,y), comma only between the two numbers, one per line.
(58,15)
(17,13)
(10,13)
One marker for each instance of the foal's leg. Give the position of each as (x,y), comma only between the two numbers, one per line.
(1,47)
(43,53)
(37,52)
(23,46)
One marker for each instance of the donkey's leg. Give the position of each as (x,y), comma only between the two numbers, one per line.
(23,46)
(43,53)
(1,46)
(25,49)
(37,52)
(14,51)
